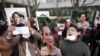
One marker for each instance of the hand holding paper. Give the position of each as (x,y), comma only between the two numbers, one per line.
(21,30)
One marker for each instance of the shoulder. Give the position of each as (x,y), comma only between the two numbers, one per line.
(78,23)
(44,48)
(57,49)
(82,44)
(84,47)
(62,41)
(86,22)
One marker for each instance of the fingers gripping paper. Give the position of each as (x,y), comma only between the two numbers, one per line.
(21,30)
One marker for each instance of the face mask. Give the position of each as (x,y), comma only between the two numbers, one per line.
(26,36)
(71,38)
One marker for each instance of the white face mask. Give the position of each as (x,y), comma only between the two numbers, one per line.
(71,38)
(26,36)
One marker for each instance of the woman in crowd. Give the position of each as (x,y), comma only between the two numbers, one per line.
(71,46)
(17,19)
(49,49)
(84,25)
(82,21)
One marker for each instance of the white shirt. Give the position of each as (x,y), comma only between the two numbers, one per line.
(27,50)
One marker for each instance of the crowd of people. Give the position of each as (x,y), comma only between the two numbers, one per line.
(77,39)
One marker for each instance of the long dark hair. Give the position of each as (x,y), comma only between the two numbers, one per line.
(81,14)
(13,19)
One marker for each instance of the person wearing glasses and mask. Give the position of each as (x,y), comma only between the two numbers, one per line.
(71,46)
(49,49)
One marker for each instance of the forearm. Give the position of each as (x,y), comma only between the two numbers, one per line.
(36,34)
(11,39)
(9,35)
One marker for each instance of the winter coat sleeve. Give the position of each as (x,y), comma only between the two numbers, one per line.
(36,34)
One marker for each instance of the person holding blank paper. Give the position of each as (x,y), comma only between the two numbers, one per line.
(23,39)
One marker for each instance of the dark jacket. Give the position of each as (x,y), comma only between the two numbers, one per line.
(64,33)
(98,32)
(73,48)
(86,36)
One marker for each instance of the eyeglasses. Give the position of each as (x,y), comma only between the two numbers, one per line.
(47,34)
(73,30)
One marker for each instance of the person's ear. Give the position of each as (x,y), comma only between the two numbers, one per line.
(79,33)
(43,41)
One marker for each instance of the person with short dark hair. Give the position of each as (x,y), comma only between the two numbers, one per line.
(71,46)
